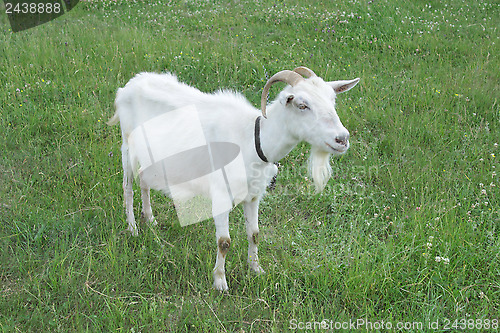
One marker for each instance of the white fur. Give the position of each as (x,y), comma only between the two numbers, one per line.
(304,112)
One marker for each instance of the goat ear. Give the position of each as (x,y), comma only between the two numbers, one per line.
(343,85)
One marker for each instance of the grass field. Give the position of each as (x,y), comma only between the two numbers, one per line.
(406,232)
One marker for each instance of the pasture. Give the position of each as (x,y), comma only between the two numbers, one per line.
(406,231)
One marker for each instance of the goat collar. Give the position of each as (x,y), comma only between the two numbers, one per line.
(258,148)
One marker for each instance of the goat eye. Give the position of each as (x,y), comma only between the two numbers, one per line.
(303,107)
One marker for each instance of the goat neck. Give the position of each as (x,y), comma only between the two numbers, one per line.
(275,138)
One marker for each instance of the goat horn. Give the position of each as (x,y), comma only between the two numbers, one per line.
(304,71)
(290,77)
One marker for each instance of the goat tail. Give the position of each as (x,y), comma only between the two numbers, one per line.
(114,120)
(116,117)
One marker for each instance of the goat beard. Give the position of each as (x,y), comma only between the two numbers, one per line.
(319,168)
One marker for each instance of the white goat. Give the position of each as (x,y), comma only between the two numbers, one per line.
(303,111)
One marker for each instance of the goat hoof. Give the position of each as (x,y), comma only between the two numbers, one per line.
(133,231)
(220,284)
(254,266)
(257,269)
(152,221)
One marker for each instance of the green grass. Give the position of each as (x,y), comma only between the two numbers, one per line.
(406,231)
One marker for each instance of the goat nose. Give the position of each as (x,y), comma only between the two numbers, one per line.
(342,139)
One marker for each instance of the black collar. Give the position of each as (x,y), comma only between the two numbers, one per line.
(258,148)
